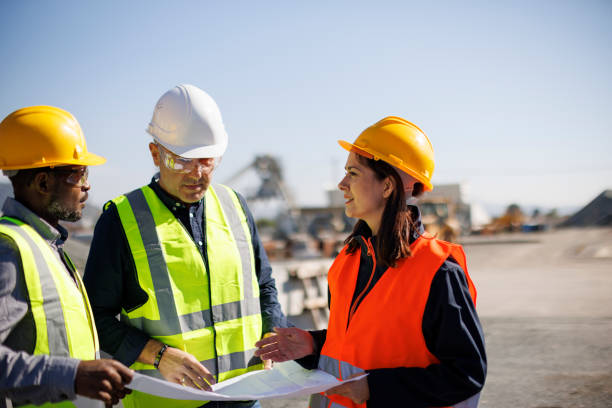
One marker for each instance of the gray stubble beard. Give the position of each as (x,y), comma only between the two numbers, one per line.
(62,213)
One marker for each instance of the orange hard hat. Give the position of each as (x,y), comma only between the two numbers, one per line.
(399,143)
(43,136)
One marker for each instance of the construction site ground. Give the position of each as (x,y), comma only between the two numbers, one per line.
(545,302)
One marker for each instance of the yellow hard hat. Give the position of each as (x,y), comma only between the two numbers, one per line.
(43,136)
(399,143)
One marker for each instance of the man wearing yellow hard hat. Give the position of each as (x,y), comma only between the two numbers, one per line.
(48,340)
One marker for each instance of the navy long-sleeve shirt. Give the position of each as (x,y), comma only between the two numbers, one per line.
(112,284)
(452,333)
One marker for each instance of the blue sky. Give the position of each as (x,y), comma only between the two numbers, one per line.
(516,96)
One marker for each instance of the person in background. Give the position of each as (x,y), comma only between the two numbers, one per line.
(402,304)
(181,261)
(48,340)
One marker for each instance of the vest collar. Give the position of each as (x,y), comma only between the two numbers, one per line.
(172,203)
(14,209)
(418,231)
(416,216)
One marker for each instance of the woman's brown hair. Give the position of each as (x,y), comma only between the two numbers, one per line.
(396,226)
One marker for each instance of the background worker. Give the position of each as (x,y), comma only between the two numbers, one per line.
(401,304)
(181,261)
(48,340)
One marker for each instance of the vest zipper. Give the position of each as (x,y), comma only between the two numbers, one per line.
(77,279)
(69,265)
(370,254)
(204,255)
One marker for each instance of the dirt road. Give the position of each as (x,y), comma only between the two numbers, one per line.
(545,301)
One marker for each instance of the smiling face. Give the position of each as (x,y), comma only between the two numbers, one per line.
(365,195)
(187,187)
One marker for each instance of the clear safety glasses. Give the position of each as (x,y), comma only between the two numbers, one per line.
(76,177)
(183,165)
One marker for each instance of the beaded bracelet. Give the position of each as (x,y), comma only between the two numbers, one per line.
(159,355)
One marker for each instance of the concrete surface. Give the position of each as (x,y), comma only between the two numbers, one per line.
(545,301)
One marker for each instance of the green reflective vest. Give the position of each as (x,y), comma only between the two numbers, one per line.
(212,314)
(60,308)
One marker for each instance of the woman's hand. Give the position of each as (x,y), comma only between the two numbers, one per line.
(288,344)
(182,368)
(358,391)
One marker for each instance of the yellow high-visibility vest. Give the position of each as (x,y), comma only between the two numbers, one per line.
(60,308)
(212,314)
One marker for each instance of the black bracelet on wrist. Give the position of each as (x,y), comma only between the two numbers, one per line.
(159,355)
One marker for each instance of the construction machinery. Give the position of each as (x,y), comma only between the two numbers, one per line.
(439,218)
(288,231)
(271,184)
(511,221)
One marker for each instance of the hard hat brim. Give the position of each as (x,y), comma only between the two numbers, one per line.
(85,159)
(352,148)
(428,186)
(195,152)
(90,159)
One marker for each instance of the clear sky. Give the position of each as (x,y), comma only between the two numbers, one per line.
(516,96)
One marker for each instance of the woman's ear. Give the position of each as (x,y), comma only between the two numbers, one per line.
(388,186)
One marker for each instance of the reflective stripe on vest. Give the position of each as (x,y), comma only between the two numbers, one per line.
(339,369)
(368,342)
(60,310)
(343,370)
(213,315)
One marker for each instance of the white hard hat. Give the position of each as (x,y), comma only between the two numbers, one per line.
(187,121)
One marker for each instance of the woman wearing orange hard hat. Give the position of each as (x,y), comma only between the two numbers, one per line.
(402,304)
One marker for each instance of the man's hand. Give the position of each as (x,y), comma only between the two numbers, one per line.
(358,391)
(182,368)
(103,380)
(267,364)
(288,344)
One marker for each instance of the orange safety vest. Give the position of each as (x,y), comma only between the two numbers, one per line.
(385,331)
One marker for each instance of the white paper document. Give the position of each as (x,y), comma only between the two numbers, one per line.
(286,379)
(84,402)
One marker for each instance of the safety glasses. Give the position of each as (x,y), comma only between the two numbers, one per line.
(76,177)
(183,165)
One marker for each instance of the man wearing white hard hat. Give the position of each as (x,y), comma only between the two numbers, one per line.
(181,261)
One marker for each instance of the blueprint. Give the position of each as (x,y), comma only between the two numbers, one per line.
(286,379)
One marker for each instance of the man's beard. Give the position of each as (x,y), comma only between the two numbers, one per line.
(60,212)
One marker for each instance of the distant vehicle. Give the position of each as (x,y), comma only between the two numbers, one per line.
(439,218)
(511,221)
